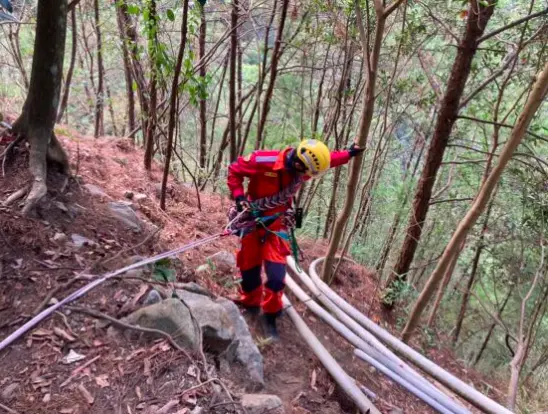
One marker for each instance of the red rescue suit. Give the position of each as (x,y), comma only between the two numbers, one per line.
(268,175)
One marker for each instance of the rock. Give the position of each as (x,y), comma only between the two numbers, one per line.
(196,288)
(136,259)
(223,261)
(170,190)
(59,237)
(139,197)
(128,195)
(10,392)
(125,214)
(96,191)
(216,325)
(244,351)
(61,206)
(80,241)
(262,403)
(170,316)
(152,298)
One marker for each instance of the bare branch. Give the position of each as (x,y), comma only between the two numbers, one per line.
(513,24)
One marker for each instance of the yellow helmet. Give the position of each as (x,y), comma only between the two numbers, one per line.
(315,157)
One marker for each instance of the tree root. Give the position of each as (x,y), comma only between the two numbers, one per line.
(8,152)
(16,196)
(45,150)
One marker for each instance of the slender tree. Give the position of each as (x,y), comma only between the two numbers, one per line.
(536,97)
(276,53)
(232,115)
(174,93)
(203,100)
(371,53)
(152,35)
(100,98)
(120,19)
(478,17)
(68,81)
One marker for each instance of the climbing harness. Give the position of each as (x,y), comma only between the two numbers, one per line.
(280,199)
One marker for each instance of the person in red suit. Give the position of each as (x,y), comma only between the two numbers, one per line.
(272,173)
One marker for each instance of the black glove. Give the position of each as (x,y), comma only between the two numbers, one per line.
(241,203)
(354,150)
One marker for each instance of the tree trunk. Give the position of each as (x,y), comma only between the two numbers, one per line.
(443,287)
(538,93)
(127,67)
(37,119)
(137,68)
(173,103)
(111,110)
(232,81)
(203,102)
(66,92)
(100,100)
(492,328)
(473,272)
(363,131)
(273,74)
(153,90)
(479,15)
(240,143)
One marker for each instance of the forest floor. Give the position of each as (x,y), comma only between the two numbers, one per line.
(127,376)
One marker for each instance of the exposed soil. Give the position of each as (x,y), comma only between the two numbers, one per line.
(135,375)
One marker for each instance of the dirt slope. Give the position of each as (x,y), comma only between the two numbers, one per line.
(138,376)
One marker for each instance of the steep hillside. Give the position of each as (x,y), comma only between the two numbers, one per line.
(76,234)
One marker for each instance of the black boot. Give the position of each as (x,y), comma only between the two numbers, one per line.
(251,310)
(269,326)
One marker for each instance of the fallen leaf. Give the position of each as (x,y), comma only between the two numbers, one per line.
(41,332)
(190,399)
(61,333)
(139,393)
(66,411)
(72,356)
(146,370)
(140,406)
(313,378)
(295,400)
(192,371)
(167,407)
(97,343)
(47,398)
(86,394)
(18,264)
(102,380)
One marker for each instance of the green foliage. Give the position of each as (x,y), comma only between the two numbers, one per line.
(163,271)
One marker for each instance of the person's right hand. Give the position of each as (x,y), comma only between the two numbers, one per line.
(241,204)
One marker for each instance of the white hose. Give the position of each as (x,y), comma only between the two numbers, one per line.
(346,383)
(434,398)
(461,388)
(405,384)
(403,368)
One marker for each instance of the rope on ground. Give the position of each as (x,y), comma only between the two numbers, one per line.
(90,286)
